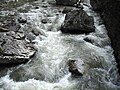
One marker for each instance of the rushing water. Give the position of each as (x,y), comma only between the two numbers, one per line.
(49,70)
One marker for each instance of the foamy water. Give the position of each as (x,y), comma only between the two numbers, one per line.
(49,70)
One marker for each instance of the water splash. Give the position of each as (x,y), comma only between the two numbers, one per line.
(49,70)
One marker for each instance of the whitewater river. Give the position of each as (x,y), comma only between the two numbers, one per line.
(48,70)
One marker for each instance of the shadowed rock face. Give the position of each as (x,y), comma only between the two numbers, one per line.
(77,22)
(110,12)
(66,2)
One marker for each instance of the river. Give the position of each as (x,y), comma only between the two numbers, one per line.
(48,70)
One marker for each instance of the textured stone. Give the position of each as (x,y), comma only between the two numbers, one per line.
(14,49)
(110,13)
(66,2)
(77,22)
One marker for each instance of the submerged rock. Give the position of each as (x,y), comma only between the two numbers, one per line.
(87,39)
(75,3)
(3,29)
(97,4)
(44,21)
(22,20)
(74,68)
(77,22)
(67,9)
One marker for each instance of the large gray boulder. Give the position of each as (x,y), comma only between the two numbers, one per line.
(14,51)
(77,22)
(14,46)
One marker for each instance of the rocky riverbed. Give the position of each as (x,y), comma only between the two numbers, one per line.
(15,45)
(54,45)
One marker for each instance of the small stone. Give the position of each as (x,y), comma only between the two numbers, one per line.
(87,39)
(36,7)
(45,6)
(44,21)
(21,20)
(3,29)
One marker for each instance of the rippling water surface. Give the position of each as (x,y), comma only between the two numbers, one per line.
(49,70)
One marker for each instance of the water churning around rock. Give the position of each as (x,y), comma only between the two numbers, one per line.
(49,69)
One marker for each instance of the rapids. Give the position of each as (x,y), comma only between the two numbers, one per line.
(48,70)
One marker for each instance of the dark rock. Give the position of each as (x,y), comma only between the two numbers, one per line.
(67,9)
(110,13)
(77,22)
(3,29)
(44,21)
(79,6)
(75,3)
(44,6)
(36,32)
(36,7)
(22,20)
(97,4)
(66,2)
(73,68)
(1,51)
(87,39)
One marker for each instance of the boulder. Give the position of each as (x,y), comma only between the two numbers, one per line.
(14,51)
(22,20)
(14,46)
(77,22)
(66,2)
(97,4)
(87,39)
(67,10)
(110,13)
(74,3)
(44,21)
(74,68)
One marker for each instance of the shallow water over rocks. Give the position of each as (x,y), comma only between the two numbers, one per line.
(48,70)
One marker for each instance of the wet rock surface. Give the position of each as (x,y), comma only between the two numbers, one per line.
(22,20)
(14,48)
(74,68)
(77,22)
(66,2)
(67,9)
(109,10)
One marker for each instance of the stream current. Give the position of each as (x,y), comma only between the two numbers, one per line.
(48,70)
